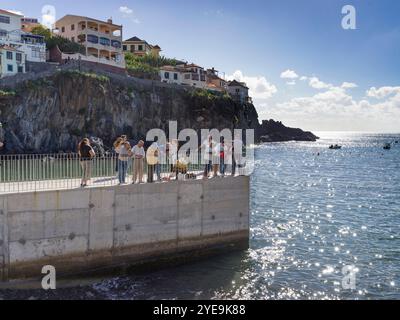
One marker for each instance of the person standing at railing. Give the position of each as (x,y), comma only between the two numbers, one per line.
(208,146)
(86,155)
(153,158)
(124,150)
(138,154)
(222,151)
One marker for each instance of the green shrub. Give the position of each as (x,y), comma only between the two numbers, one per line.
(7,93)
(65,45)
(147,65)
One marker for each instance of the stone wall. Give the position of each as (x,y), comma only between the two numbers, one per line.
(80,231)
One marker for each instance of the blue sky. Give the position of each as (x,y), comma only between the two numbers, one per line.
(257,41)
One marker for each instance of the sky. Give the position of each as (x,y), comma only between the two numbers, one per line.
(302,67)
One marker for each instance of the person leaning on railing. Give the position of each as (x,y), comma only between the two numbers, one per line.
(124,150)
(86,155)
(138,165)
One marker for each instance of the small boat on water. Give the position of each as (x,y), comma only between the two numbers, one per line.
(335,147)
(387,146)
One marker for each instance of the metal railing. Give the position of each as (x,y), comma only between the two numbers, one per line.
(23,173)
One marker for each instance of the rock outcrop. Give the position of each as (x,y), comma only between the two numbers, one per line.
(275,131)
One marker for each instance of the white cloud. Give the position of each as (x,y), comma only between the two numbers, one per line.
(335,109)
(259,86)
(303,78)
(318,84)
(382,92)
(128,14)
(349,85)
(125,10)
(289,74)
(291,83)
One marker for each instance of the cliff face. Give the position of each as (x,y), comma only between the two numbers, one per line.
(53,114)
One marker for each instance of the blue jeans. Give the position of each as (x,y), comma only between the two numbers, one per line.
(122,170)
(158,171)
(222,165)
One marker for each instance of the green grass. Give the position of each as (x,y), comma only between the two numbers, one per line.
(91,75)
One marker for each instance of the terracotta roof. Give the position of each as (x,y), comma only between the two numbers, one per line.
(235,83)
(170,68)
(9,12)
(8,48)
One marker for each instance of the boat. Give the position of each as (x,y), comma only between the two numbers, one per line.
(335,147)
(387,146)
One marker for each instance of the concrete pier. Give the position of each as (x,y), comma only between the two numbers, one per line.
(83,230)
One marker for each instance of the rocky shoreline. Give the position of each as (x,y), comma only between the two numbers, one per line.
(276,131)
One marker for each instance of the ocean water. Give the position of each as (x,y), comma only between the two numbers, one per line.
(314,211)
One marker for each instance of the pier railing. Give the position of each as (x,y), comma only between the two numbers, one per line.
(23,173)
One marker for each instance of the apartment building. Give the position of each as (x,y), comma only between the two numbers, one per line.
(102,39)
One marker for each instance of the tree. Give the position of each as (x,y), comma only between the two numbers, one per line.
(42,31)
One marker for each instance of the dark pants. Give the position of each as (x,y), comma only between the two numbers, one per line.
(150,173)
(207,168)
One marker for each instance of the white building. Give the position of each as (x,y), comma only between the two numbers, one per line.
(184,74)
(171,74)
(12,61)
(239,91)
(11,35)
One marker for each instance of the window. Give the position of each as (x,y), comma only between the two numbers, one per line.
(116,44)
(3,33)
(105,41)
(10,68)
(187,76)
(73,39)
(93,39)
(175,76)
(133,48)
(72,27)
(9,55)
(18,57)
(125,47)
(20,69)
(5,19)
(237,90)
(63,29)
(140,47)
(35,53)
(166,75)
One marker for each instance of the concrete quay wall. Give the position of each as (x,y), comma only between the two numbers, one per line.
(83,230)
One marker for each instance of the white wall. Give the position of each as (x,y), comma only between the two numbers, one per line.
(15,23)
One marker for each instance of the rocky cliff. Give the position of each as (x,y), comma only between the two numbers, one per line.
(52,114)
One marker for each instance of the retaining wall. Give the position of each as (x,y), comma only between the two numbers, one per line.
(84,230)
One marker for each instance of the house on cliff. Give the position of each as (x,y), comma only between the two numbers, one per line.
(12,61)
(13,35)
(239,91)
(140,47)
(102,40)
(214,81)
(184,74)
